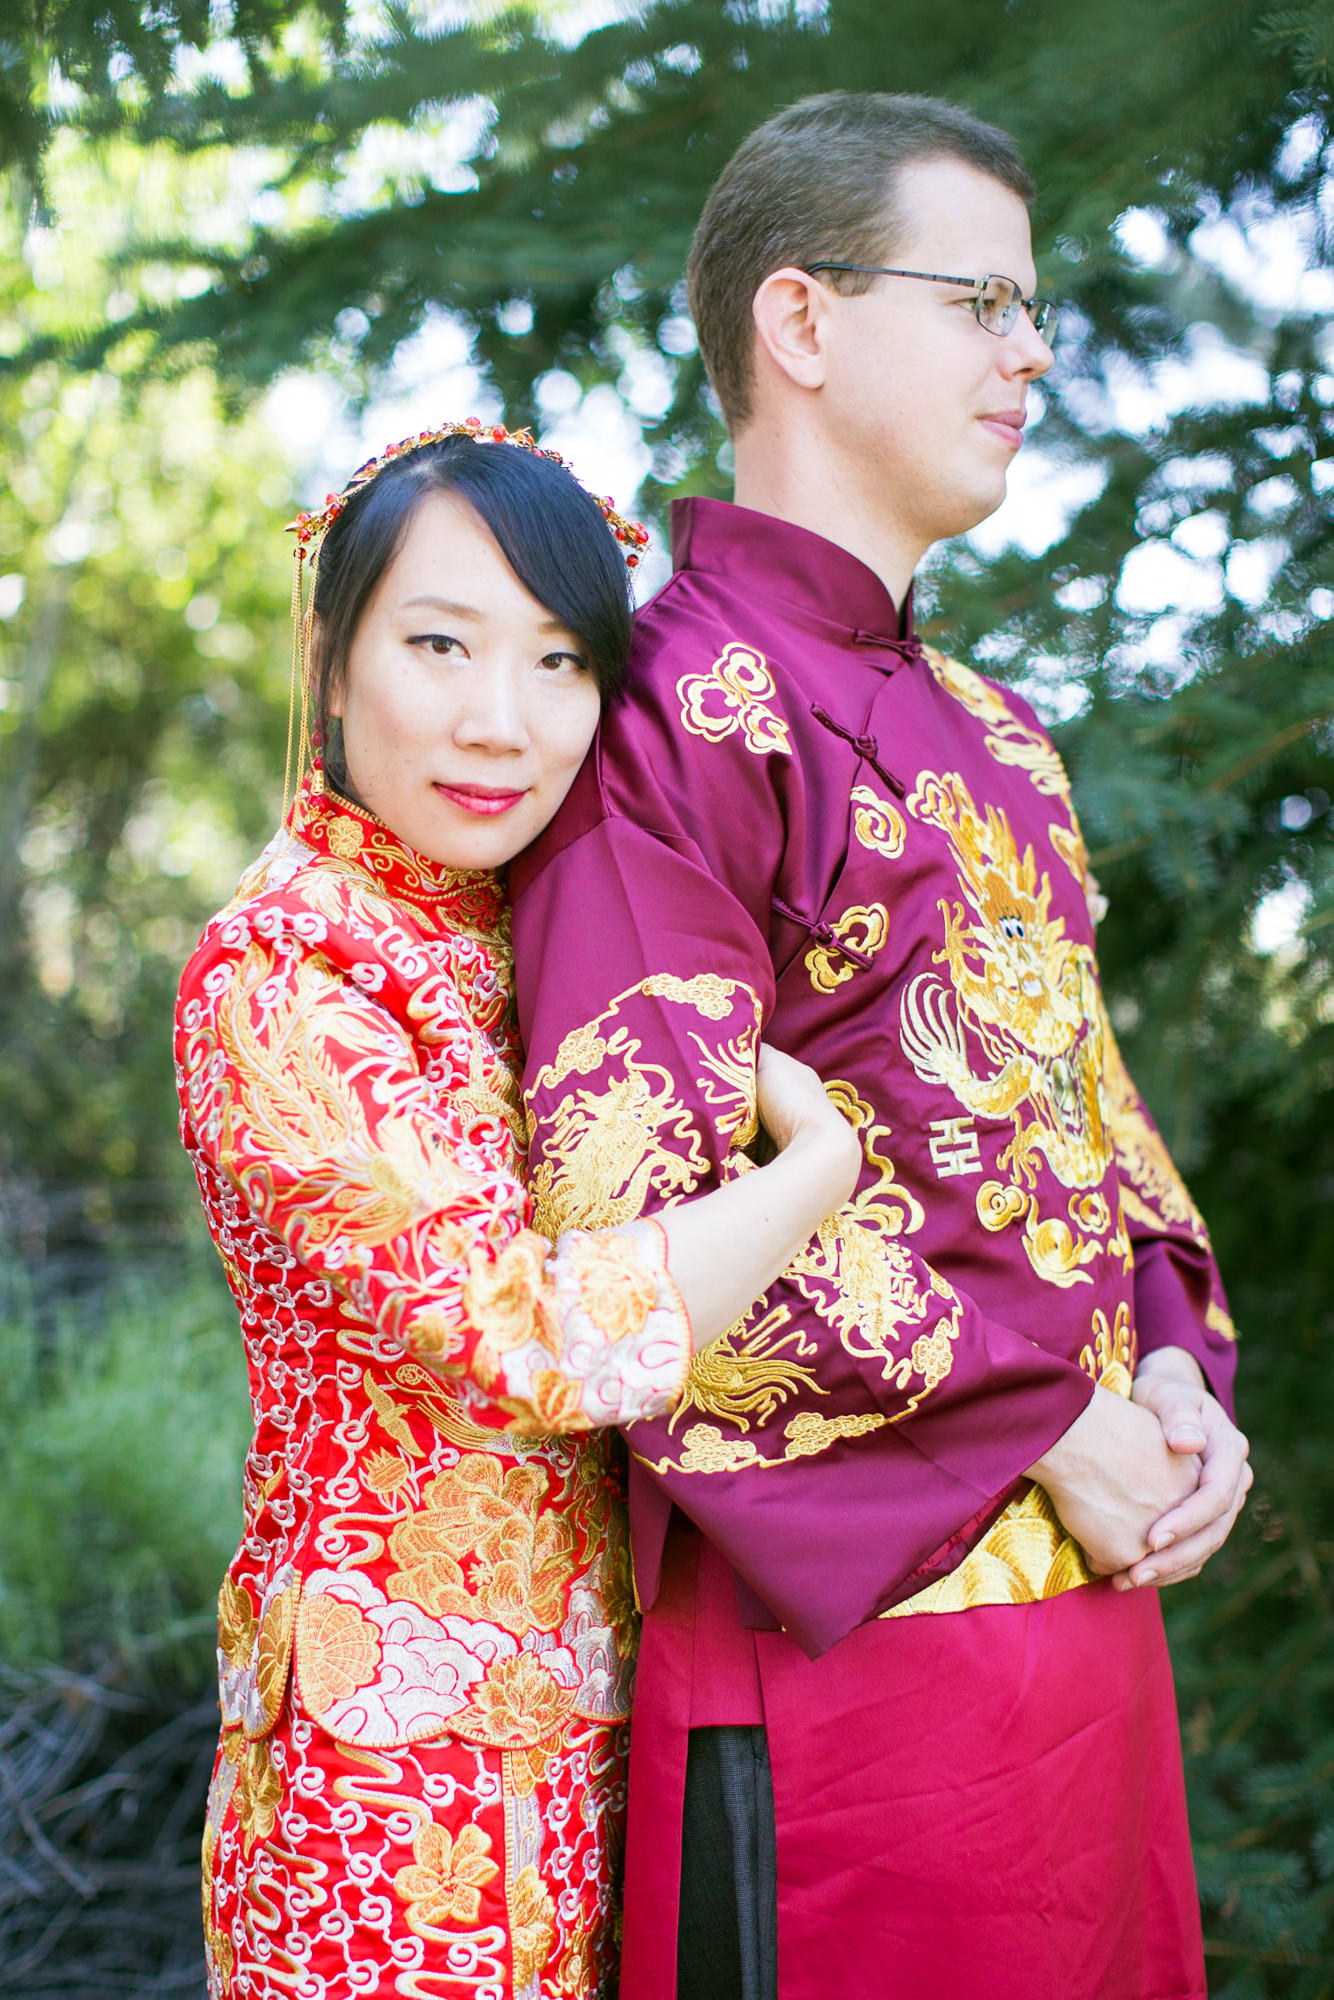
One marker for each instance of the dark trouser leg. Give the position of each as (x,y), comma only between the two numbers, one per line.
(727,1944)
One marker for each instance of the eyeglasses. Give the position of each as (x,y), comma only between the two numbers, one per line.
(996,301)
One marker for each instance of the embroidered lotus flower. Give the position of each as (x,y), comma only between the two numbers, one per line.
(480,1548)
(616,1289)
(532,1926)
(338,1650)
(449,1873)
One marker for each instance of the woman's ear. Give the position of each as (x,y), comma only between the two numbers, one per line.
(333,692)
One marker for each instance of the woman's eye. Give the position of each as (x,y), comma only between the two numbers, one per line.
(438,643)
(564,662)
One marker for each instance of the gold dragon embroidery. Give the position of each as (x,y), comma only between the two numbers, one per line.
(1027,996)
(629,1132)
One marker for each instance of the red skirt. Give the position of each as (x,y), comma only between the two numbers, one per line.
(980,1803)
(443,1871)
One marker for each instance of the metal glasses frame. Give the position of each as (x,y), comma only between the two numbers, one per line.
(1042,312)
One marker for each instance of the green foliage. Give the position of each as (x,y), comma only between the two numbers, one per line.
(1253,1645)
(125,1423)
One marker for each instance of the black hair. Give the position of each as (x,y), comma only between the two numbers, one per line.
(550,531)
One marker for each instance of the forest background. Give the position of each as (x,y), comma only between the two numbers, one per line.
(242,238)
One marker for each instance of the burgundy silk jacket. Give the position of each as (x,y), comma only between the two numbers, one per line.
(801,823)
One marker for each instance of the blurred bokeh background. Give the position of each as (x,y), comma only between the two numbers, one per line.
(244,243)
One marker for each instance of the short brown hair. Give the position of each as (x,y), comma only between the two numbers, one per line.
(818,180)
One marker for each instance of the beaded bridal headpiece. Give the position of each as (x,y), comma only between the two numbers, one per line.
(310,530)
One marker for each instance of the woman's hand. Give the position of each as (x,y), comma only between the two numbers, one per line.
(795,1111)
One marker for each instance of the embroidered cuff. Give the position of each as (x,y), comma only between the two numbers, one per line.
(626,1333)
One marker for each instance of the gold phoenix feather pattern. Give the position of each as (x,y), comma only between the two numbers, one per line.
(425,1637)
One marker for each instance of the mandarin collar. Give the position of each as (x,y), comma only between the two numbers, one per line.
(467,898)
(787,562)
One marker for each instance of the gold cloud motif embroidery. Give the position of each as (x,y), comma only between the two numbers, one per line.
(878,825)
(707,1450)
(734,694)
(864,927)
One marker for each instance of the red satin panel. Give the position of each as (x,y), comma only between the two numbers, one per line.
(976,1806)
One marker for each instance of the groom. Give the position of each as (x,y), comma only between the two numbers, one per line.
(904,1722)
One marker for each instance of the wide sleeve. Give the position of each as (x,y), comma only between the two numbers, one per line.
(865,1411)
(1179,1297)
(309,1097)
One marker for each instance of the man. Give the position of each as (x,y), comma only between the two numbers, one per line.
(915,1748)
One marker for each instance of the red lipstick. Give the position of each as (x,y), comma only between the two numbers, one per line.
(484,800)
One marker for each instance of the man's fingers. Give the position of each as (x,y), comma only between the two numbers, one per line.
(1214,1496)
(1189,1553)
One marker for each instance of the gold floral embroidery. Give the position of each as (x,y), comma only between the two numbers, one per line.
(505,1297)
(1110,1356)
(480,1547)
(339,1651)
(445,1883)
(257,1794)
(384,1472)
(616,1288)
(878,825)
(345,837)
(532,1925)
(734,694)
(520,1708)
(236,1623)
(865,927)
(273,1653)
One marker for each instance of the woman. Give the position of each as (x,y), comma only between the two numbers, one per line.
(424,1636)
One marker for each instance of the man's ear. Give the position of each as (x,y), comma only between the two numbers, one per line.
(791,311)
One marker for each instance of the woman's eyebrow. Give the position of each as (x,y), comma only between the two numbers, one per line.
(441,604)
(452,610)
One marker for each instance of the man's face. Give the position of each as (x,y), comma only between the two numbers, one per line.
(932,403)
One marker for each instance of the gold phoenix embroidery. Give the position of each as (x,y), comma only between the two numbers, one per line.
(734,694)
(865,927)
(750,1371)
(878,825)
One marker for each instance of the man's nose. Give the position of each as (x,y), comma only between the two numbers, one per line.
(1026,352)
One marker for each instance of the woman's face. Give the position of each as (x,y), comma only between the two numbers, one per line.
(466,707)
